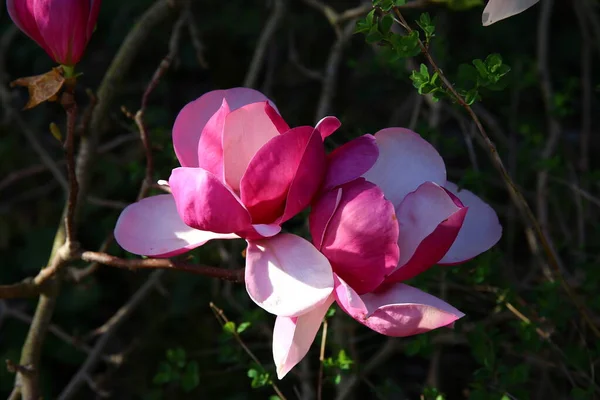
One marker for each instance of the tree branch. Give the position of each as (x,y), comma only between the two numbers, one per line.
(513,190)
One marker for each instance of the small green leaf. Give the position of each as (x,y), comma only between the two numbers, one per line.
(176,357)
(191,377)
(243,326)
(229,327)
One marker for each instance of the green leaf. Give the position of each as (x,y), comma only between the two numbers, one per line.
(425,24)
(191,377)
(406,46)
(330,312)
(386,23)
(229,327)
(259,378)
(164,374)
(176,357)
(243,326)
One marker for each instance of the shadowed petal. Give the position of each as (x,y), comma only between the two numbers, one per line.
(327,126)
(405,161)
(480,230)
(286,275)
(205,203)
(396,309)
(350,161)
(361,238)
(293,336)
(152,227)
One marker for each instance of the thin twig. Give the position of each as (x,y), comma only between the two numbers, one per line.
(266,36)
(322,360)
(233,275)
(332,69)
(70,106)
(514,191)
(119,317)
(222,318)
(553,126)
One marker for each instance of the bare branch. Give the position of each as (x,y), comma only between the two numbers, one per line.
(263,42)
(513,190)
(235,275)
(119,317)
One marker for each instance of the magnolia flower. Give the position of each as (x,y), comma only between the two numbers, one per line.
(243,173)
(398,220)
(61,27)
(497,10)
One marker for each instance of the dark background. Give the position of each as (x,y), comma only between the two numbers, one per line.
(521,337)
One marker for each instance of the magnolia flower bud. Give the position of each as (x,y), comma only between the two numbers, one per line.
(61,27)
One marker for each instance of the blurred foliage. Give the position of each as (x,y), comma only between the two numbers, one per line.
(521,337)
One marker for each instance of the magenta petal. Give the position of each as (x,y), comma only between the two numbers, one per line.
(293,336)
(205,203)
(350,161)
(286,275)
(361,239)
(480,231)
(63,25)
(278,121)
(396,309)
(21,12)
(267,180)
(429,221)
(152,227)
(308,177)
(321,215)
(193,117)
(327,126)
(94,12)
(405,161)
(247,129)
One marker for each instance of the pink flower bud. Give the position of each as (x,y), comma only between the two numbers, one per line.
(61,27)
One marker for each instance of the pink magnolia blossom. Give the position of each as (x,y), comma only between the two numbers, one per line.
(243,173)
(61,27)
(398,220)
(497,10)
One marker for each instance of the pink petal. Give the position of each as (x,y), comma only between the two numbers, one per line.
(361,239)
(405,162)
(480,230)
(246,130)
(152,227)
(210,147)
(296,156)
(497,10)
(293,336)
(286,275)
(21,12)
(63,25)
(327,126)
(350,161)
(193,117)
(396,309)
(205,203)
(429,221)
